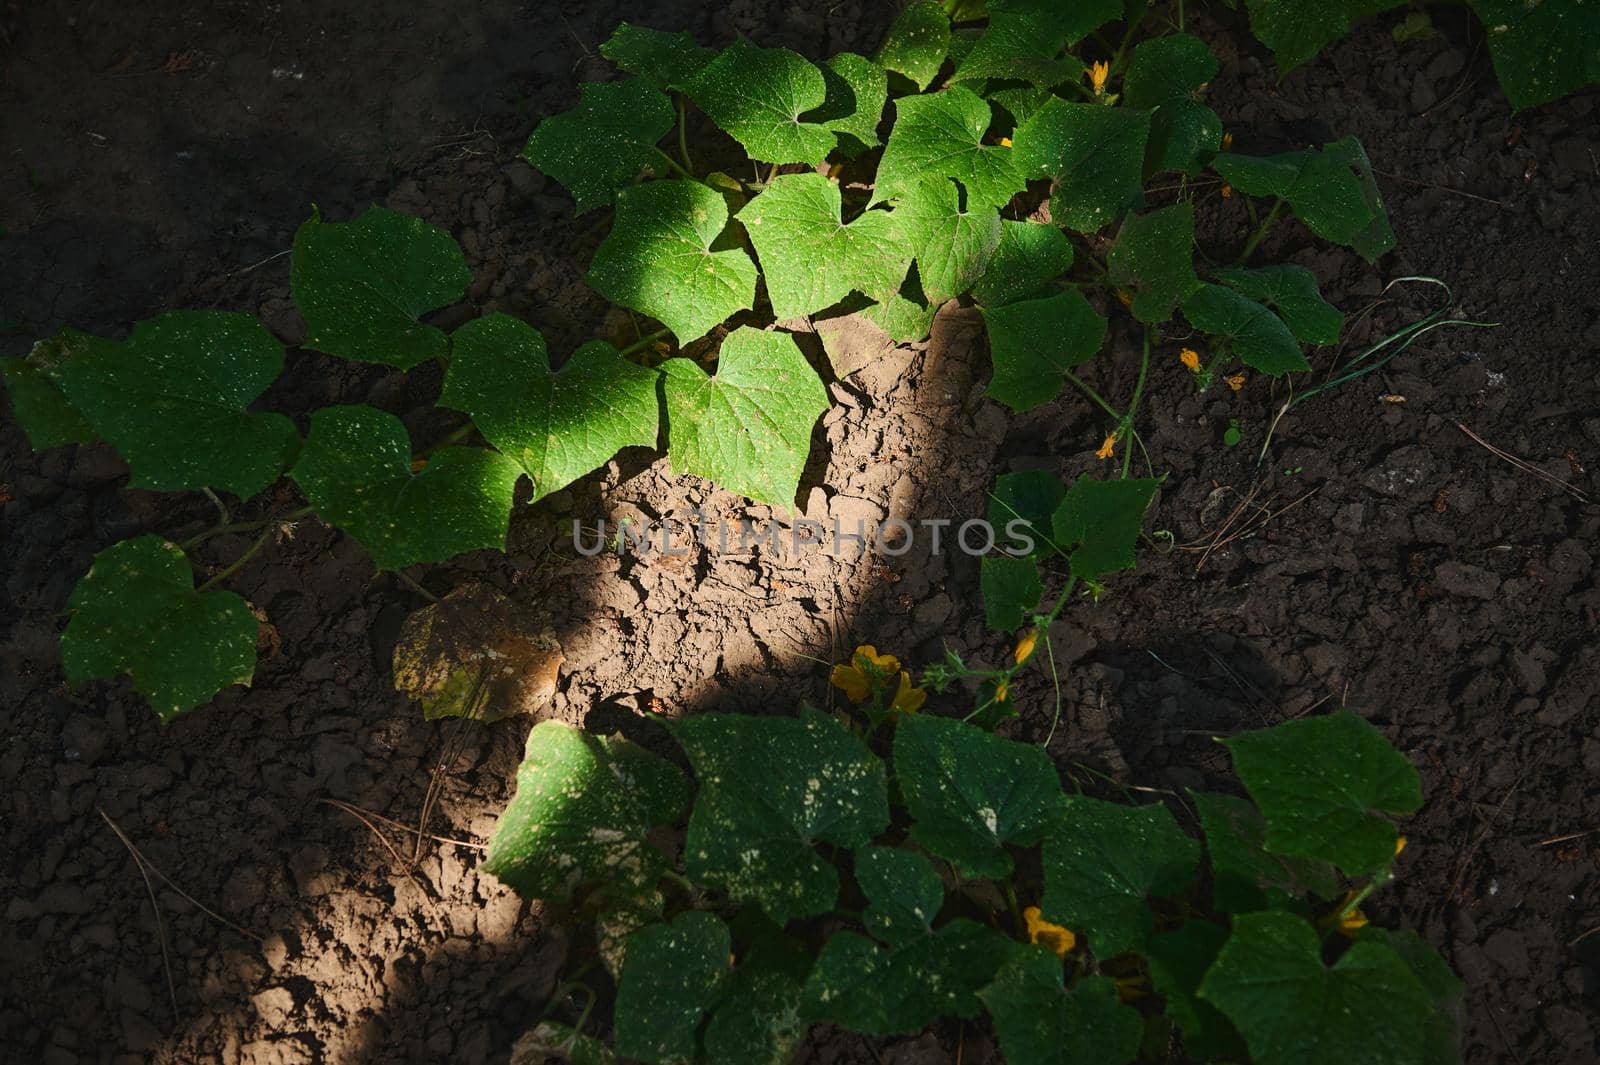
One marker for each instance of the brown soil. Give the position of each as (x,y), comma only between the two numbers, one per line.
(162,157)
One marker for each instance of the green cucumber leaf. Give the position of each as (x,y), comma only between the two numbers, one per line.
(563,1042)
(363,286)
(917,43)
(1292,292)
(1011,590)
(1255,334)
(1178,962)
(1324,785)
(1021,103)
(1042,1022)
(1073,21)
(757,1021)
(1153,258)
(599,147)
(1164,76)
(1098,524)
(771,789)
(748,427)
(1292,1009)
(666,60)
(811,259)
(1035,342)
(953,246)
(556,425)
(1332,191)
(1023,42)
(1541,51)
(858,91)
(1442,1028)
(971,794)
(137,611)
(905,891)
(1244,877)
(356,469)
(1103,861)
(672,976)
(658,259)
(46,415)
(582,809)
(1296,31)
(173,398)
(1031,496)
(1094,154)
(1029,256)
(905,317)
(938,138)
(757,95)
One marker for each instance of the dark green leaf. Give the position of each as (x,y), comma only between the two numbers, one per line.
(658,258)
(906,316)
(1029,256)
(1153,259)
(137,611)
(1255,334)
(905,890)
(673,976)
(37,403)
(1031,496)
(971,794)
(1102,863)
(757,96)
(952,245)
(858,91)
(556,425)
(771,789)
(758,1020)
(363,285)
(1041,1022)
(599,147)
(748,427)
(1324,785)
(1443,1026)
(1011,590)
(1244,877)
(1074,21)
(1164,77)
(1178,962)
(666,60)
(1033,344)
(1096,156)
(1098,524)
(1298,29)
(811,259)
(938,138)
(1023,42)
(1270,981)
(917,43)
(173,399)
(581,811)
(1541,51)
(1292,292)
(1331,191)
(356,470)
(1374,238)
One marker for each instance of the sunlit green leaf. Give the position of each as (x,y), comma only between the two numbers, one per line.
(673,976)
(1023,42)
(811,259)
(363,286)
(858,91)
(1325,784)
(1153,259)
(939,137)
(556,425)
(971,794)
(137,611)
(757,96)
(658,258)
(581,812)
(1035,342)
(1028,257)
(1098,524)
(356,469)
(771,790)
(666,60)
(906,315)
(917,43)
(1103,861)
(600,146)
(1252,332)
(1041,1022)
(1095,154)
(952,245)
(173,399)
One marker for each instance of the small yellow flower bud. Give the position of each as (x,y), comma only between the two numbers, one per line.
(1026,645)
(1098,73)
(1236,382)
(1107,447)
(1190,359)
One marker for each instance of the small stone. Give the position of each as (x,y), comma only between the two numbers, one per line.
(273,1005)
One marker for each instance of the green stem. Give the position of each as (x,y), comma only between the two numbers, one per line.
(1138,391)
(1017,922)
(683,137)
(250,552)
(1099,400)
(1260,233)
(645,341)
(415,587)
(682,881)
(1127,39)
(674,166)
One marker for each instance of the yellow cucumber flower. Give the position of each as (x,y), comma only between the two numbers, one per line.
(1236,382)
(1025,646)
(1190,359)
(1052,937)
(1108,445)
(1097,76)
(865,672)
(907,699)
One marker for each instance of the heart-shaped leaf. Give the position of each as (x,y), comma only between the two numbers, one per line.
(1029,256)
(1255,334)
(1095,154)
(938,138)
(811,259)
(356,469)
(1244,876)
(363,286)
(1292,292)
(858,91)
(658,258)
(556,425)
(1541,52)
(1011,590)
(45,414)
(1153,259)
(1098,524)
(748,426)
(917,43)
(673,976)
(1332,191)
(757,96)
(598,148)
(137,611)
(1164,77)
(1035,342)
(952,244)
(666,60)
(1030,497)
(1040,1021)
